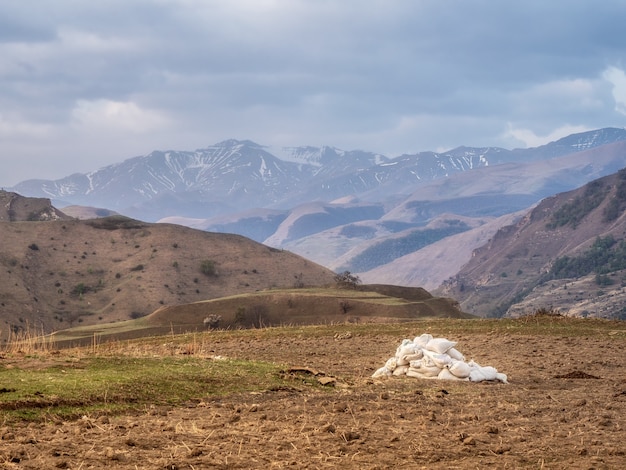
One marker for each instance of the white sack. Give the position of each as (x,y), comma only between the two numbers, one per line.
(419,375)
(406,360)
(422,340)
(402,362)
(455,354)
(428,361)
(502,378)
(440,360)
(440,345)
(406,350)
(391,363)
(405,343)
(445,374)
(490,372)
(382,372)
(478,374)
(460,369)
(429,370)
(400,370)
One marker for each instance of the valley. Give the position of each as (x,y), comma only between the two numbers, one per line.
(444,221)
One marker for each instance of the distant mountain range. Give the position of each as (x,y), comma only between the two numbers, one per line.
(409,220)
(234,176)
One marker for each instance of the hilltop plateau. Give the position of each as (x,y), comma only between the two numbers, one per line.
(372,304)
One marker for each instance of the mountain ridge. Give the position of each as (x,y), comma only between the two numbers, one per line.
(236,175)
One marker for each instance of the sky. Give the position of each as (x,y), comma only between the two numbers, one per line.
(87,84)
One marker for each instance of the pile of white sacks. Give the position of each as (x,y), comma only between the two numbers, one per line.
(426,357)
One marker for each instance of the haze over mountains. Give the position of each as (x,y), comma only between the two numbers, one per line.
(409,220)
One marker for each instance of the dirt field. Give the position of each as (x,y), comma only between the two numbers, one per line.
(565,407)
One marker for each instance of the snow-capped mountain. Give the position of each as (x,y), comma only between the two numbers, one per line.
(229,175)
(235,175)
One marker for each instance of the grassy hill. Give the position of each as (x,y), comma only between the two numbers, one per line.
(64,273)
(278,307)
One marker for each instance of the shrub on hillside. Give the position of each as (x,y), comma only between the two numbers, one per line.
(212,321)
(573,212)
(80,289)
(255,316)
(208,268)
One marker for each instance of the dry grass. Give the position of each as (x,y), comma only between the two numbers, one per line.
(28,342)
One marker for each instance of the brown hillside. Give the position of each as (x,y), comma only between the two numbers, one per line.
(59,274)
(416,294)
(310,306)
(511,276)
(14,208)
(431,265)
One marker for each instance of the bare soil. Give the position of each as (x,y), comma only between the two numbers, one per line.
(565,407)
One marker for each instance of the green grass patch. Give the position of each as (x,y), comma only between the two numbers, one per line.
(114,384)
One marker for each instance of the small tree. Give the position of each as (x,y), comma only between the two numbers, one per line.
(80,289)
(347,280)
(345,306)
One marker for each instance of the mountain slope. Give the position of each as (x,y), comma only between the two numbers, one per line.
(564,254)
(231,173)
(60,273)
(488,192)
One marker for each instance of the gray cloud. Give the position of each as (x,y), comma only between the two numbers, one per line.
(86,84)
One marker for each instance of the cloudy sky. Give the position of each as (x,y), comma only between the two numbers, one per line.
(85,84)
